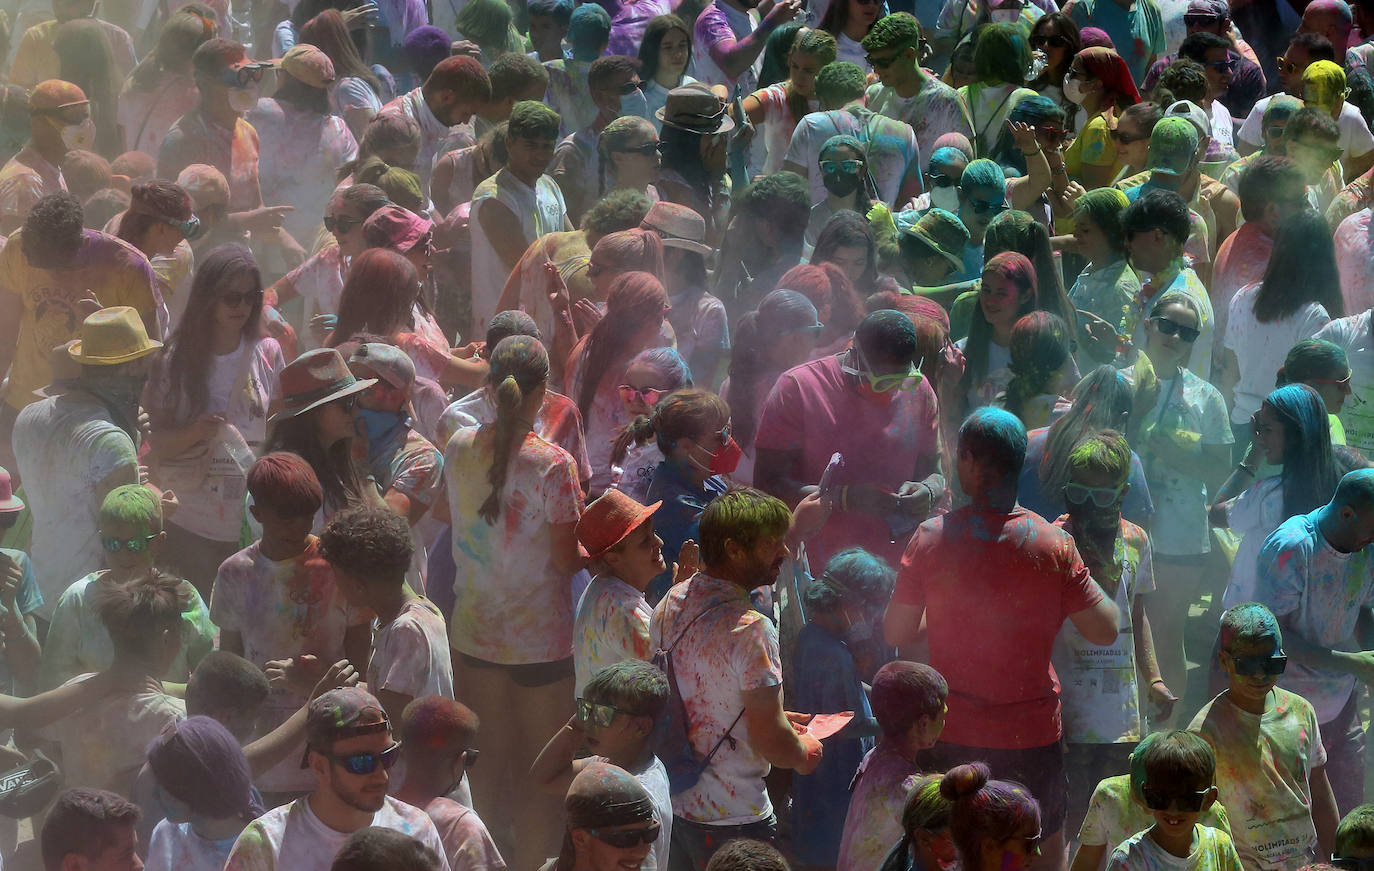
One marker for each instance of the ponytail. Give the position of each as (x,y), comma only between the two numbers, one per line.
(519,366)
(639,431)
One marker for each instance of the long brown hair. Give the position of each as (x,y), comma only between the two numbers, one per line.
(378,297)
(519,366)
(633,300)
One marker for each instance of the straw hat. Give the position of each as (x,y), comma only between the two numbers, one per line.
(112,336)
(608,520)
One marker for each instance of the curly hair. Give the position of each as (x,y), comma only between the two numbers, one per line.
(371,542)
(898,30)
(52,232)
(533,120)
(616,211)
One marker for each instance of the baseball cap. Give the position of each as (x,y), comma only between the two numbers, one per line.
(309,64)
(54,95)
(1194,113)
(387,362)
(1173,146)
(609,519)
(347,712)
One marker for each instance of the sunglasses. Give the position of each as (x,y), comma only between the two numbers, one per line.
(627,838)
(1226,66)
(341,223)
(1079,494)
(596,714)
(348,403)
(1125,139)
(939,179)
(1052,135)
(648,149)
(1343,383)
(1162,799)
(1287,66)
(366,763)
(907,380)
(1253,666)
(1076,74)
(190,228)
(246,297)
(1167,327)
(132,545)
(879,63)
(983,207)
(243,76)
(1200,20)
(648,395)
(849,167)
(1057,41)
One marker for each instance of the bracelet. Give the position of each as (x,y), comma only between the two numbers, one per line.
(930,490)
(1156,680)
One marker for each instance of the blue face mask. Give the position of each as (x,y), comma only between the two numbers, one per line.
(634,103)
(379,424)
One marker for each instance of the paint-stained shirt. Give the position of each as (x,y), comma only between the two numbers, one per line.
(1099,691)
(729,650)
(612,625)
(410,654)
(874,821)
(1113,816)
(283,609)
(1211,851)
(1322,591)
(513,606)
(1009,580)
(467,843)
(177,847)
(1355,259)
(558,421)
(292,838)
(932,112)
(1263,765)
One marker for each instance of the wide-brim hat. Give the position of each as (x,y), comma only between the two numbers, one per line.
(679,226)
(112,336)
(608,520)
(943,233)
(315,378)
(696,109)
(9,503)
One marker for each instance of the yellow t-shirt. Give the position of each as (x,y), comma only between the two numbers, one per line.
(1092,147)
(106,268)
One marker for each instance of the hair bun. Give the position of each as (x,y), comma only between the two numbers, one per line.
(962,781)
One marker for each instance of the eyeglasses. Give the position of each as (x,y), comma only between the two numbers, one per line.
(1200,20)
(242,77)
(1126,139)
(1052,135)
(1226,66)
(1076,74)
(983,207)
(341,223)
(1269,666)
(1079,494)
(247,297)
(1056,40)
(850,167)
(1167,327)
(1287,66)
(648,395)
(1032,842)
(629,88)
(366,763)
(939,179)
(879,63)
(596,714)
(646,150)
(1343,383)
(626,838)
(1185,801)
(132,545)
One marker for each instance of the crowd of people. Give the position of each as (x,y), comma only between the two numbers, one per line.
(833,435)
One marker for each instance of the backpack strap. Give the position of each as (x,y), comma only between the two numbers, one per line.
(726,736)
(700,614)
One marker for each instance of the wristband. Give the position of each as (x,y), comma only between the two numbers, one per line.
(1156,680)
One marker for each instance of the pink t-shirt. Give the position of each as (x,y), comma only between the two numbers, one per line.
(1241,260)
(816,409)
(467,842)
(996,589)
(1355,260)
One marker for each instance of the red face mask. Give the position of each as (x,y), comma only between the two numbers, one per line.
(723,461)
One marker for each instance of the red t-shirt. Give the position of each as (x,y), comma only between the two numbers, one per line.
(816,409)
(996,588)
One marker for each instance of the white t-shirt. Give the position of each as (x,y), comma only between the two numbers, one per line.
(292,838)
(410,654)
(777,124)
(467,843)
(177,847)
(654,778)
(612,625)
(106,743)
(718,22)
(539,209)
(1352,335)
(890,144)
(1212,850)
(1261,348)
(319,280)
(65,447)
(850,51)
(1251,516)
(1356,140)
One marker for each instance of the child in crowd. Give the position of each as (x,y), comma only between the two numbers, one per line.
(276,601)
(132,536)
(437,735)
(612,621)
(369,550)
(1098,695)
(926,843)
(1179,770)
(19,598)
(615,719)
(1270,760)
(104,746)
(825,681)
(908,700)
(652,374)
(1355,840)
(1115,813)
(230,689)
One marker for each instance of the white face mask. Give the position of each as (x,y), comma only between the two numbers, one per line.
(634,104)
(1073,90)
(1010,15)
(945,198)
(243,99)
(79,136)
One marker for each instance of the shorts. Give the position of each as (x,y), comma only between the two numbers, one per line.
(530,675)
(1039,769)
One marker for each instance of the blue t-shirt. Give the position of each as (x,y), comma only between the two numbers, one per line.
(28,598)
(1137,32)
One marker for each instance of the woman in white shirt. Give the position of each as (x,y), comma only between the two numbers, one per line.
(664,58)
(849,21)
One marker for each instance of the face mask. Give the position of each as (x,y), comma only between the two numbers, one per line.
(1006,16)
(723,461)
(79,136)
(840,184)
(945,198)
(242,99)
(1073,90)
(635,104)
(378,424)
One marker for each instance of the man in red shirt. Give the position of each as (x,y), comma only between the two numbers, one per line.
(995,582)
